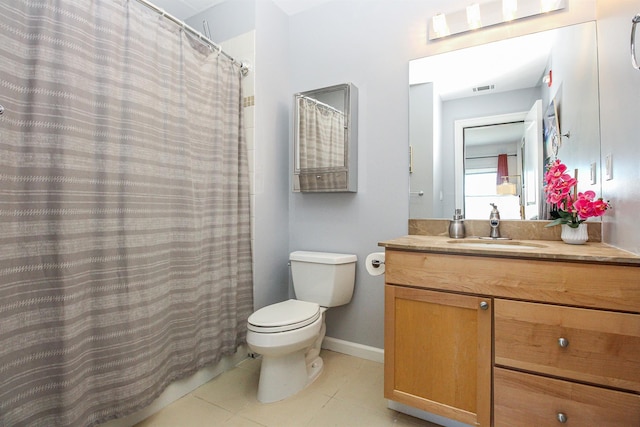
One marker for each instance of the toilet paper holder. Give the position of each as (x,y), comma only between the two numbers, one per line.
(376,263)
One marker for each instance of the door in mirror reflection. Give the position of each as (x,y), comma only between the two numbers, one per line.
(492,169)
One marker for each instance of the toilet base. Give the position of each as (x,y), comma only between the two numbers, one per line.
(314,369)
(284,376)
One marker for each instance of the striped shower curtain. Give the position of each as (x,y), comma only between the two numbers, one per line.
(321,133)
(125,259)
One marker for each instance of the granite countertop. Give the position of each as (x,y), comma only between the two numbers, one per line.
(520,249)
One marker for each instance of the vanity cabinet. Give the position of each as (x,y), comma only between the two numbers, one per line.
(558,343)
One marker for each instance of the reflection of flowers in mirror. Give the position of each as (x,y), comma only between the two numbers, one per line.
(570,207)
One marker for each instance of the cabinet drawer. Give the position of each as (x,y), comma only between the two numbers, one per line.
(323,181)
(592,346)
(529,400)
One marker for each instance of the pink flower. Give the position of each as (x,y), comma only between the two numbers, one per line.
(584,208)
(600,207)
(571,208)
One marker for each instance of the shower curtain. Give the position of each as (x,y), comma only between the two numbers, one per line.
(321,127)
(125,256)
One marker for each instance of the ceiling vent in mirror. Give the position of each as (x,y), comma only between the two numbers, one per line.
(484,88)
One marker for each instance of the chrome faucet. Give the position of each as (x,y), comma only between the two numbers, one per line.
(494,221)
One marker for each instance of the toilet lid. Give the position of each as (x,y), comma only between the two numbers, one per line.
(284,316)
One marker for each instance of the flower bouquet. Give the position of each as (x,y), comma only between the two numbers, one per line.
(571,208)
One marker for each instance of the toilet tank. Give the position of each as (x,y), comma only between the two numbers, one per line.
(322,277)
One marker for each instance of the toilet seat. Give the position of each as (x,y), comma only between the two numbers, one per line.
(284,316)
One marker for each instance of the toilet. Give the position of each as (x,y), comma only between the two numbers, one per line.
(289,334)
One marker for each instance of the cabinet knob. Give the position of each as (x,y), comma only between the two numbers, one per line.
(563,342)
(484,305)
(562,418)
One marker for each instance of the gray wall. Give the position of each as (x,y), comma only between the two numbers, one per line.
(273,108)
(422,101)
(363,43)
(226,20)
(575,82)
(619,113)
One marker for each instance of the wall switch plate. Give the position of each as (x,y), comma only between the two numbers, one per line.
(592,173)
(608,167)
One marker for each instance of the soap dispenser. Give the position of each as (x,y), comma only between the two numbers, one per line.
(456,226)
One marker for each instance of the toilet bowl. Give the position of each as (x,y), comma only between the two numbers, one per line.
(289,334)
(284,346)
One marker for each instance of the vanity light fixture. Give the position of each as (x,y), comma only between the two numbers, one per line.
(473,16)
(482,15)
(509,9)
(439,25)
(548,5)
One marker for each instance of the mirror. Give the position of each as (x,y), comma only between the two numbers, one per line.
(325,140)
(465,106)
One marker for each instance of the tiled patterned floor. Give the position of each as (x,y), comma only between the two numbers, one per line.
(348,394)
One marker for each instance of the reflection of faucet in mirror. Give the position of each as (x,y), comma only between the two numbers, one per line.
(494,221)
(573,53)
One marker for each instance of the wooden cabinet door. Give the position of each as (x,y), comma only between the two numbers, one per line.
(438,353)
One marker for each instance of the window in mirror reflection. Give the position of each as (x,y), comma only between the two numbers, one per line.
(480,191)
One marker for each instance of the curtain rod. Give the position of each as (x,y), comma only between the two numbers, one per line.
(243,68)
(488,157)
(301,96)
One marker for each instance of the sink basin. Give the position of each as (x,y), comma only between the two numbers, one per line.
(495,244)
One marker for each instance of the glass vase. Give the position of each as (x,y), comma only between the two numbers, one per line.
(574,236)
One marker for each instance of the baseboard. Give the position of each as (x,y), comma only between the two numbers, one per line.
(354,349)
(427,416)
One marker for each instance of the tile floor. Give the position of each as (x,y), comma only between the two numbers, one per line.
(348,393)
